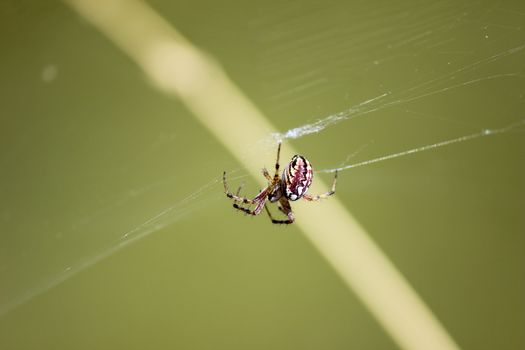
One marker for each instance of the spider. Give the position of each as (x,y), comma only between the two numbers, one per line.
(290,186)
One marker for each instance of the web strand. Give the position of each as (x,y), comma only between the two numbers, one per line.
(484,133)
(428,88)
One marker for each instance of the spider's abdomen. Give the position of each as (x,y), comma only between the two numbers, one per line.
(297,177)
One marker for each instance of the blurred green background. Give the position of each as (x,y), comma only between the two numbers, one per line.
(90,151)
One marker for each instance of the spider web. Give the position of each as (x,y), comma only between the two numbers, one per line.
(500,28)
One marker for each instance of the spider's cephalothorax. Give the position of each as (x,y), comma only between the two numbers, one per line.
(291,186)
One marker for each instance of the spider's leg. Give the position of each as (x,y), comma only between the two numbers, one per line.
(286,209)
(324,195)
(239,189)
(276,176)
(245,210)
(235,198)
(274,221)
(267,174)
(268,212)
(259,200)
